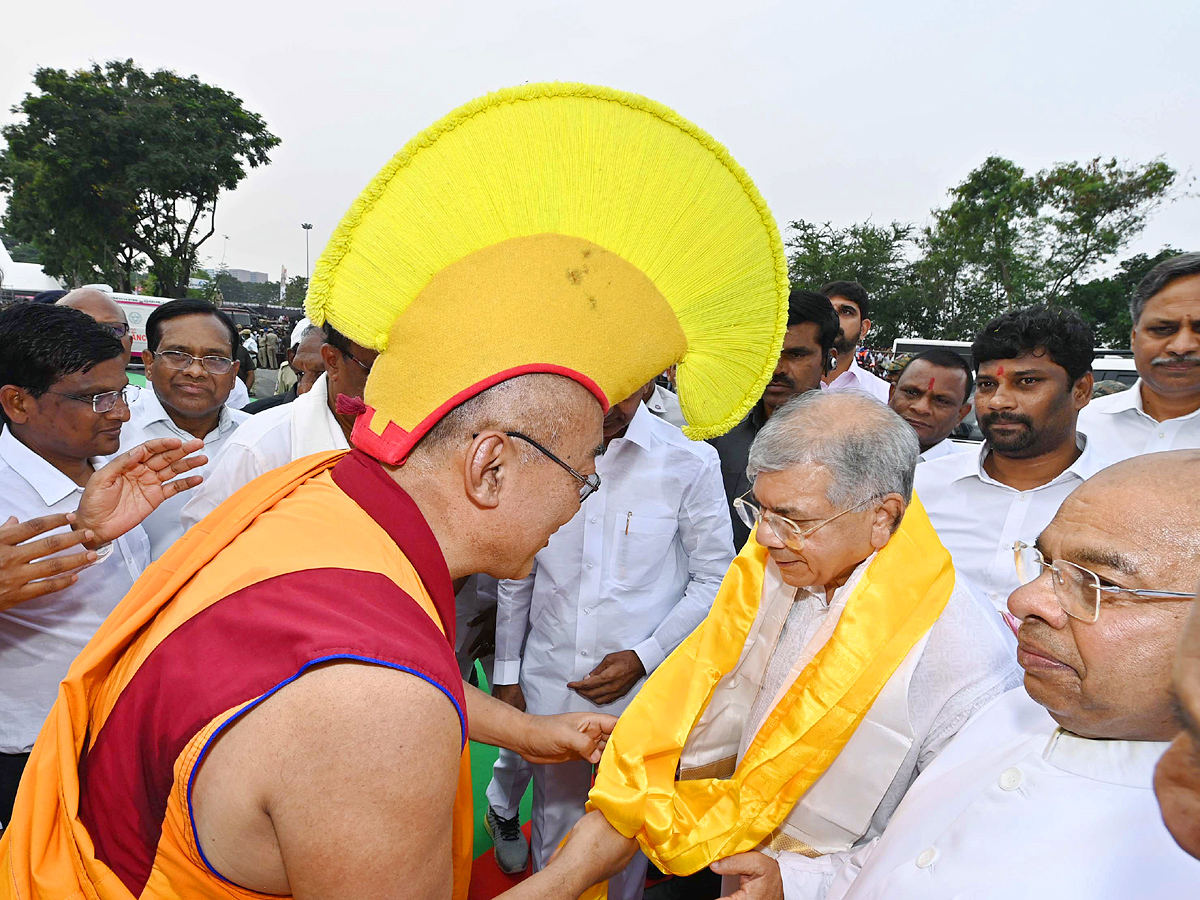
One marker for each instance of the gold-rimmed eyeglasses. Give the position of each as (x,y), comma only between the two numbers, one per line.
(789,532)
(1077,590)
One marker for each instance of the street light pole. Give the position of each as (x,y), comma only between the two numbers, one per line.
(307,226)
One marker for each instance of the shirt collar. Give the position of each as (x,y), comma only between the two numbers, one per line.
(640,431)
(51,484)
(1087,465)
(150,410)
(1128,763)
(1132,399)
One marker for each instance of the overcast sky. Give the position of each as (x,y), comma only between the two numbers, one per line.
(839,111)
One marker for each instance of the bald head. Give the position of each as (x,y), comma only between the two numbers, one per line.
(104,309)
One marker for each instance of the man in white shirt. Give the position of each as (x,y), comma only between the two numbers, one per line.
(613,593)
(62,390)
(852,305)
(309,424)
(933,395)
(1033,377)
(190,370)
(1047,792)
(1162,409)
(807,354)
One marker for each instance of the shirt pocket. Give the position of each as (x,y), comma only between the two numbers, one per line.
(640,547)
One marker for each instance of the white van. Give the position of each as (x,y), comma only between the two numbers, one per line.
(137,309)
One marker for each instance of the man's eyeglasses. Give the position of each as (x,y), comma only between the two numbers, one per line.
(214,365)
(118,329)
(362,365)
(789,533)
(588,484)
(106,402)
(1077,590)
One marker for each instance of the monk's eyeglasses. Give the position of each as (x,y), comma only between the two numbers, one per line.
(588,484)
(1077,590)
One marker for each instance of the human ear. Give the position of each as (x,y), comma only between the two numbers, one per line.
(485,468)
(148,363)
(862,332)
(887,517)
(1082,391)
(13,401)
(963,412)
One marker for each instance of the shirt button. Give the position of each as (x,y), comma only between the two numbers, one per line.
(1161,435)
(583,653)
(927,858)
(589,565)
(1010,779)
(593,520)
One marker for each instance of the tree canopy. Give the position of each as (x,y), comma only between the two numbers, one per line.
(1006,238)
(113,170)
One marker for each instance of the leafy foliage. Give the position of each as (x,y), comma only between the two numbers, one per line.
(1005,239)
(114,168)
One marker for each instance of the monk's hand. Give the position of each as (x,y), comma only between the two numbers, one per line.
(565,737)
(594,852)
(24,573)
(510,694)
(758,873)
(612,679)
(121,494)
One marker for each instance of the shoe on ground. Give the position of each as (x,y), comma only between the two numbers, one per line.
(512,849)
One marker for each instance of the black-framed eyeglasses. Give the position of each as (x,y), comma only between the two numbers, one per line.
(105,402)
(119,329)
(178,359)
(588,484)
(1077,590)
(362,365)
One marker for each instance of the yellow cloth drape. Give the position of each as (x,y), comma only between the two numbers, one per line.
(683,826)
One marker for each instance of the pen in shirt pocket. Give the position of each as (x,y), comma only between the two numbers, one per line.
(628,519)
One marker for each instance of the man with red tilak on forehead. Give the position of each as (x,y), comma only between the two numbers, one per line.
(275,708)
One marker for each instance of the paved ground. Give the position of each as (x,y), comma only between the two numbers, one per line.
(264,383)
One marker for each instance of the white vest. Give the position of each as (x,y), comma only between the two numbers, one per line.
(836,811)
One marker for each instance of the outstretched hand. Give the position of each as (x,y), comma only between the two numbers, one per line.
(24,573)
(131,486)
(567,736)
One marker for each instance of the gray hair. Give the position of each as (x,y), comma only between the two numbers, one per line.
(868,449)
(1159,277)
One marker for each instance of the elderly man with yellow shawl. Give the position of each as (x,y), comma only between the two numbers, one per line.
(275,707)
(839,657)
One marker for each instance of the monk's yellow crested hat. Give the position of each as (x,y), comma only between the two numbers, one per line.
(560,228)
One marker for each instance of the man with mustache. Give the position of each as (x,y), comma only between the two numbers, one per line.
(808,353)
(1046,793)
(613,593)
(1033,376)
(852,305)
(190,370)
(1162,410)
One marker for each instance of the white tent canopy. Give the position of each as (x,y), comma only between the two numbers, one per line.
(25,278)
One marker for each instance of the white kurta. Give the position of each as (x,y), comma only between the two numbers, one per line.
(978,518)
(944,448)
(1016,808)
(149,420)
(1120,426)
(273,438)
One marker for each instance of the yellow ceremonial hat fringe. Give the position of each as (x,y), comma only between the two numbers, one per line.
(560,228)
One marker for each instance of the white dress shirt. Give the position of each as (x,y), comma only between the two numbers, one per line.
(636,569)
(856,378)
(239,396)
(1015,807)
(665,404)
(968,661)
(944,448)
(40,638)
(978,519)
(1120,426)
(273,438)
(148,420)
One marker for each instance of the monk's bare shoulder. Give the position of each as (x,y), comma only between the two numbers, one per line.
(340,784)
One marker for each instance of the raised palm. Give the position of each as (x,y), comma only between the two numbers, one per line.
(131,486)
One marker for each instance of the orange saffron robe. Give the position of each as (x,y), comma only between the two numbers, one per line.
(324,559)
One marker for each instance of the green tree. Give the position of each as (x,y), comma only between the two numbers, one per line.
(112,166)
(1009,238)
(876,256)
(1105,301)
(296,290)
(19,250)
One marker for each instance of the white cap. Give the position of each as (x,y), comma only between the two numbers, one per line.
(298,331)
